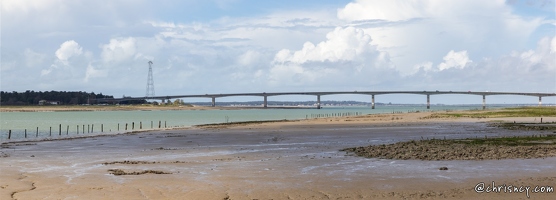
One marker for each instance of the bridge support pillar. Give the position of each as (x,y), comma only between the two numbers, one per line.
(428,101)
(484,102)
(373,102)
(213,101)
(318,101)
(265,102)
(540,101)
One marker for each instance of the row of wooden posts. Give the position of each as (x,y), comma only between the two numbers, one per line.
(90,128)
(334,115)
(353,114)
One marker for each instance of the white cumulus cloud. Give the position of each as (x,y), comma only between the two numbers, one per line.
(543,57)
(346,56)
(528,70)
(119,50)
(455,60)
(342,44)
(67,50)
(416,30)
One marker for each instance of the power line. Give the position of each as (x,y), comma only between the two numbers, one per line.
(150,82)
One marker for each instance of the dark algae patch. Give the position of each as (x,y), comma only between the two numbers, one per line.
(241,123)
(129,162)
(525,147)
(119,172)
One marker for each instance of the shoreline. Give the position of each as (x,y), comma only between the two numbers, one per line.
(99,108)
(146,107)
(79,108)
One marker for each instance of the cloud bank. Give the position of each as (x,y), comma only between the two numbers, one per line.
(361,45)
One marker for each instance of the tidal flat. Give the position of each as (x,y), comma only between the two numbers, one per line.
(274,160)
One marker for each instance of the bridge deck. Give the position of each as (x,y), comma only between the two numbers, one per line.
(263,94)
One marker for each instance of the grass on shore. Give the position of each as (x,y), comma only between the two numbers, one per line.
(551,126)
(505,112)
(549,139)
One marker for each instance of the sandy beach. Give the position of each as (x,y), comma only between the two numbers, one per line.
(280,160)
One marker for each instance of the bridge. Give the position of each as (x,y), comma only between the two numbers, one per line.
(319,94)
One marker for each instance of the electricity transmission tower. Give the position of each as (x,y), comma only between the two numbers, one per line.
(150,82)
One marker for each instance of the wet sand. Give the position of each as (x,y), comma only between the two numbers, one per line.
(286,160)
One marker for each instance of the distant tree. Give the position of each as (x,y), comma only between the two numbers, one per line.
(31,97)
(178,102)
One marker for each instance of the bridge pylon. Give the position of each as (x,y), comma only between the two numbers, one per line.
(318,102)
(150,82)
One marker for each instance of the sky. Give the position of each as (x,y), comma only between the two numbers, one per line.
(232,46)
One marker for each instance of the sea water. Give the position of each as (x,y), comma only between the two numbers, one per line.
(72,123)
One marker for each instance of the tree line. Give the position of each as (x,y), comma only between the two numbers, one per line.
(30,97)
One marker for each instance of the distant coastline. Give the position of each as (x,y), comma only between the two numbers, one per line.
(76,108)
(80,108)
(224,106)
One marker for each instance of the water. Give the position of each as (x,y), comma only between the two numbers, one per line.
(112,122)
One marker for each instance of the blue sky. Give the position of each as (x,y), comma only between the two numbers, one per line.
(228,46)
(205,11)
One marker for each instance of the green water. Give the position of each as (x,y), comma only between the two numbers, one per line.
(115,121)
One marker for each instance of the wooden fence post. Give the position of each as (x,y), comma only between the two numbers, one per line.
(50,132)
(60,129)
(37,132)
(25,133)
(9,134)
